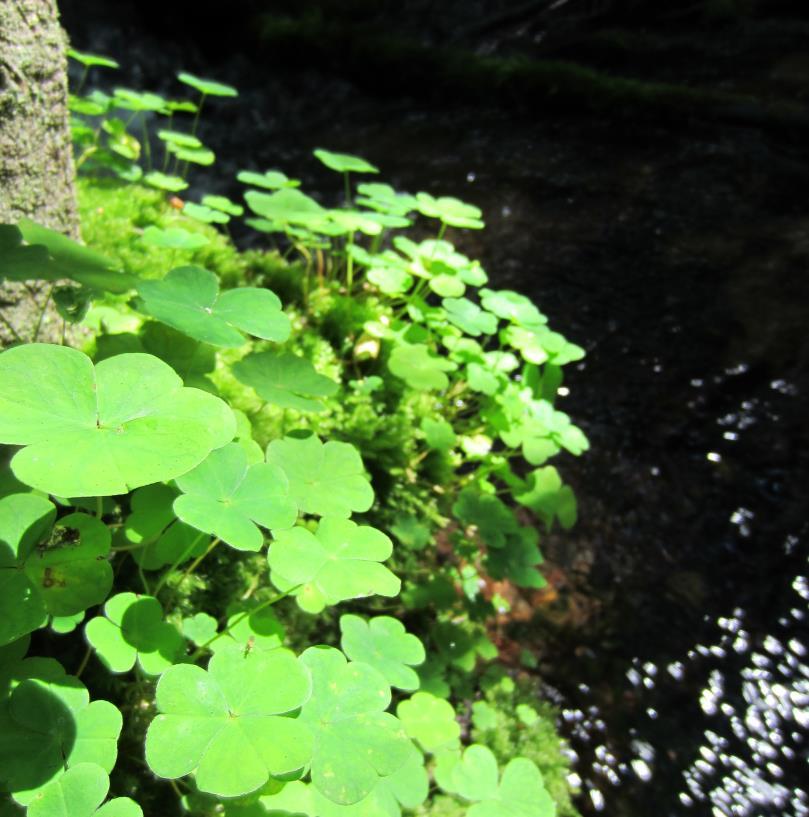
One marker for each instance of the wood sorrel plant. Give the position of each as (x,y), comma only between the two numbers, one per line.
(142,522)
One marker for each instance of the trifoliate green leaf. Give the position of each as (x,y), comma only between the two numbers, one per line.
(91,60)
(549,498)
(198,156)
(355,741)
(390,280)
(178,138)
(207,87)
(462,646)
(340,561)
(188,299)
(131,100)
(511,306)
(325,479)
(284,379)
(492,517)
(449,210)
(62,578)
(106,429)
(469,317)
(207,215)
(430,721)
(173,238)
(419,368)
(384,199)
(520,791)
(405,788)
(447,286)
(439,434)
(344,162)
(383,643)
(269,180)
(286,206)
(482,379)
(78,793)
(517,560)
(47,724)
(150,513)
(484,716)
(162,181)
(227,725)
(223,204)
(133,628)
(228,498)
(25,520)
(354,221)
(413,534)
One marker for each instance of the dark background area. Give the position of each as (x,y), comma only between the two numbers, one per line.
(643,171)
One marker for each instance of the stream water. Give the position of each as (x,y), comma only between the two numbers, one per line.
(677,645)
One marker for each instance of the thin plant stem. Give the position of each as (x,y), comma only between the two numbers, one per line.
(41,315)
(147,148)
(196,563)
(196,115)
(349,264)
(166,144)
(268,603)
(99,507)
(347,185)
(83,664)
(176,563)
(142,576)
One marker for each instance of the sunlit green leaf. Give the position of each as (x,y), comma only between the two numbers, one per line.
(419,368)
(344,162)
(91,60)
(449,210)
(285,380)
(207,87)
(325,479)
(48,724)
(383,643)
(223,204)
(355,741)
(227,497)
(469,317)
(340,561)
(430,721)
(133,628)
(138,101)
(227,725)
(162,181)
(189,300)
(127,421)
(269,179)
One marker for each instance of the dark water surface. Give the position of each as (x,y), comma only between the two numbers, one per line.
(679,258)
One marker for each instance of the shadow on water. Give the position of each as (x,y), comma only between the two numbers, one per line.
(676,646)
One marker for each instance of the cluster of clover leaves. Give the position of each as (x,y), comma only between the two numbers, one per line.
(120,465)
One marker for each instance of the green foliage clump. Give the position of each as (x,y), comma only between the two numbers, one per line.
(188,501)
(513,720)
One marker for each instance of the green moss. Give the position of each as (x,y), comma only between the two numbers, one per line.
(516,722)
(113,215)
